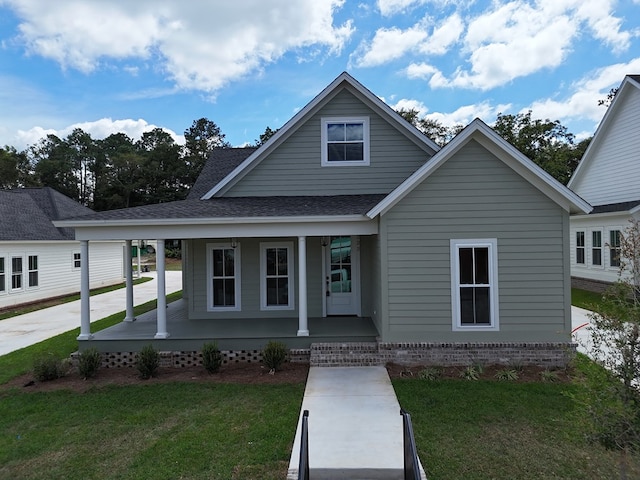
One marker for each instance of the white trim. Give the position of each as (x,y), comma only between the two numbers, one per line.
(583,247)
(492,245)
(237,263)
(4,273)
(324,141)
(29,270)
(607,243)
(22,287)
(601,247)
(479,131)
(290,275)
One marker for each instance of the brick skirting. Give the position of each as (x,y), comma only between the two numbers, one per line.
(597,286)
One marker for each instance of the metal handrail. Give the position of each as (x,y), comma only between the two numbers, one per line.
(411,463)
(303,464)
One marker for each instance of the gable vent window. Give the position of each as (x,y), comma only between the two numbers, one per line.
(345,141)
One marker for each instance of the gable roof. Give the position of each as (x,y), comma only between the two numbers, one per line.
(628,84)
(512,157)
(344,80)
(28,213)
(220,163)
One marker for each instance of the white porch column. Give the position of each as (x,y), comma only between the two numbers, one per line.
(128,269)
(162,294)
(85,311)
(303,328)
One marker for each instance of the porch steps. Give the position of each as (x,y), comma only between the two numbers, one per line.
(349,354)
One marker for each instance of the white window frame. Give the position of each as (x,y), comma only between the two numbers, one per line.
(583,247)
(592,248)
(22,282)
(492,245)
(607,242)
(74,260)
(3,273)
(237,277)
(30,271)
(264,246)
(325,121)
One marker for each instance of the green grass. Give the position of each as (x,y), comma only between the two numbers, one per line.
(19,362)
(21,310)
(502,430)
(585,299)
(154,431)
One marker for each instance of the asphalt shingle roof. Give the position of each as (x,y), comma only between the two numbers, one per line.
(220,164)
(26,214)
(615,207)
(279,206)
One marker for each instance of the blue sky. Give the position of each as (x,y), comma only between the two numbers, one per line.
(118,66)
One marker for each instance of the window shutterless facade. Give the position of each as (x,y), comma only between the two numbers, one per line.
(16,273)
(580,247)
(614,248)
(596,248)
(276,276)
(474,284)
(33,270)
(345,141)
(223,274)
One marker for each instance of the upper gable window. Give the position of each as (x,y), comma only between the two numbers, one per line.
(345,141)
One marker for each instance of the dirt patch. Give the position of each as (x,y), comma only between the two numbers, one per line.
(239,373)
(489,372)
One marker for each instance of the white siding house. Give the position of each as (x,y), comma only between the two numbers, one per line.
(39,261)
(608,177)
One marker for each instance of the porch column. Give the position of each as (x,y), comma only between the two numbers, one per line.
(85,311)
(128,268)
(303,328)
(162,294)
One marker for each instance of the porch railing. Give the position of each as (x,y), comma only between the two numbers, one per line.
(303,465)
(411,464)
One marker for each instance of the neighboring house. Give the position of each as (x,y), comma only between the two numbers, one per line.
(608,177)
(350,225)
(38,260)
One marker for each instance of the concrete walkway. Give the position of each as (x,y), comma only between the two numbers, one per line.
(30,328)
(355,427)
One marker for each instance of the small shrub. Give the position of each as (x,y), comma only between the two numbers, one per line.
(48,367)
(274,354)
(89,363)
(148,362)
(472,372)
(507,374)
(430,373)
(211,357)
(549,376)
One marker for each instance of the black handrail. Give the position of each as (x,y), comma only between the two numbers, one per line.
(303,464)
(411,464)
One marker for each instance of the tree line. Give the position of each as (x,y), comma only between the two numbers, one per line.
(118,172)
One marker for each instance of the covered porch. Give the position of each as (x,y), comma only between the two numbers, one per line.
(230,334)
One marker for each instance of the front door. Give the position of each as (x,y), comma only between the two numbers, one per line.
(342,276)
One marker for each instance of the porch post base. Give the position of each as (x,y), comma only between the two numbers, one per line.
(161,335)
(84,336)
(129,319)
(303,333)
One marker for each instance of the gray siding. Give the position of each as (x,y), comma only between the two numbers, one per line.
(474,195)
(294,167)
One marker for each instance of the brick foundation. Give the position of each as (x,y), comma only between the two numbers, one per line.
(597,286)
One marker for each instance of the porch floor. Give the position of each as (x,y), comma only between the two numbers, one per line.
(230,334)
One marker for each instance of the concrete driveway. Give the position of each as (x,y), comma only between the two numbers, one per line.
(30,328)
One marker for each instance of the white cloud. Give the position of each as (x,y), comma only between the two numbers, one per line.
(390,7)
(200,45)
(409,104)
(467,113)
(444,36)
(98,129)
(390,44)
(582,103)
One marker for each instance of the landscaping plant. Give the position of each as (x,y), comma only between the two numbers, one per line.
(211,357)
(48,367)
(148,362)
(89,363)
(274,354)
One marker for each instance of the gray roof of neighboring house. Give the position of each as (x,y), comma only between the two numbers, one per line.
(226,207)
(27,213)
(615,207)
(219,164)
(635,77)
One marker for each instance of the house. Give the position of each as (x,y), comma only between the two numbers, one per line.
(608,177)
(351,229)
(38,260)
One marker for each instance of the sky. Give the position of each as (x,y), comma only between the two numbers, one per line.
(109,66)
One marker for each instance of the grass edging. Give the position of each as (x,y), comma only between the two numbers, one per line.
(20,361)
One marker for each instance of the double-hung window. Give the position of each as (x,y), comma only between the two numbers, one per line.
(474,284)
(345,141)
(223,273)
(33,270)
(614,248)
(3,276)
(580,248)
(276,276)
(596,248)
(16,273)
(77,262)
